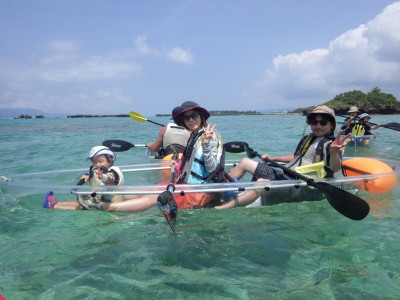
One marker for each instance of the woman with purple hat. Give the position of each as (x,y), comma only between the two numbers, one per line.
(200,163)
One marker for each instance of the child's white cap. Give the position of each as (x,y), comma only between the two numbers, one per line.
(364,115)
(101,150)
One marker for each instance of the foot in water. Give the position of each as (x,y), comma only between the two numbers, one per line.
(50,200)
(167,205)
(89,203)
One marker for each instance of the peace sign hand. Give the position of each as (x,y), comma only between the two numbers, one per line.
(339,144)
(208,133)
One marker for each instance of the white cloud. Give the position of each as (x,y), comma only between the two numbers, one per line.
(64,77)
(141,46)
(176,54)
(61,51)
(63,45)
(94,68)
(180,55)
(361,58)
(65,63)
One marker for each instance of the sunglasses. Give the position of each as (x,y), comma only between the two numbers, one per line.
(315,122)
(193,116)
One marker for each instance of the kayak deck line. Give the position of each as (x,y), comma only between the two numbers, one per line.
(145,169)
(215,187)
(156,168)
(162,165)
(193,188)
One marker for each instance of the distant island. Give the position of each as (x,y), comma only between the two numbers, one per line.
(26,116)
(224,113)
(213,113)
(373,102)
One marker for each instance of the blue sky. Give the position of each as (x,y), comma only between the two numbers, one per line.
(112,57)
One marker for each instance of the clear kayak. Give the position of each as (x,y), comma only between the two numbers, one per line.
(361,141)
(378,181)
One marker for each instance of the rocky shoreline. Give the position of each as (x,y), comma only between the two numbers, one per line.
(26,116)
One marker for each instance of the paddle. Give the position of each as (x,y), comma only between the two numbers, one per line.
(347,204)
(392,125)
(167,204)
(120,146)
(139,118)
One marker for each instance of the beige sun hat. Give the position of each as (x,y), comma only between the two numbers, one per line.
(353,109)
(325,110)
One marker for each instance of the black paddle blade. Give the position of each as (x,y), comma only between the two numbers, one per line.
(349,205)
(234,147)
(168,207)
(118,145)
(393,125)
(250,153)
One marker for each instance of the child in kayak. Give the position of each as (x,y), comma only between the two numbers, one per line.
(364,119)
(101,172)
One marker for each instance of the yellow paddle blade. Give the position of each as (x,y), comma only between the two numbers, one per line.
(137,117)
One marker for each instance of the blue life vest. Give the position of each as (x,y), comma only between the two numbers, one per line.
(193,167)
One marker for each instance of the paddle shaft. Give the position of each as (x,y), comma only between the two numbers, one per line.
(140,118)
(238,147)
(309,181)
(171,189)
(286,170)
(159,124)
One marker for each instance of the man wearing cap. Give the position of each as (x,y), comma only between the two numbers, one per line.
(319,146)
(351,120)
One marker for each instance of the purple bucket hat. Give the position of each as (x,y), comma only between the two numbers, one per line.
(186,106)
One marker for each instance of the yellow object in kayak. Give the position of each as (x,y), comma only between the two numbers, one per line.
(358,130)
(314,171)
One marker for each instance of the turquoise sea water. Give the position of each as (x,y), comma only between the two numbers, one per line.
(303,250)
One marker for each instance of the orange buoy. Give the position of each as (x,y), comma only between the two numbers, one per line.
(386,179)
(167,158)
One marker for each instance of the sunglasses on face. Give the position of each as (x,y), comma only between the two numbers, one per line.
(193,116)
(315,122)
